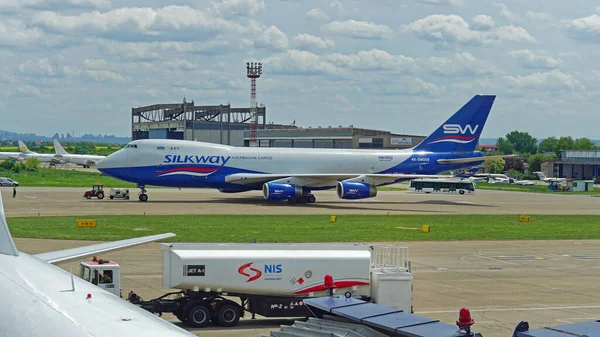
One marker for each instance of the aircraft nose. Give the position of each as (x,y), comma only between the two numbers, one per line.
(111,161)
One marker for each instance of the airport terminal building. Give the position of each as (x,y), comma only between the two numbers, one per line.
(224,124)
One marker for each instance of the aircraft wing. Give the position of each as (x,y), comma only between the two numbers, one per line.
(318,179)
(79,252)
(469,159)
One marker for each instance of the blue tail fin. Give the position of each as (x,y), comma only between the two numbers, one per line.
(460,133)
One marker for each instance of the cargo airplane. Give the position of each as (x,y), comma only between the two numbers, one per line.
(85,160)
(293,173)
(39,299)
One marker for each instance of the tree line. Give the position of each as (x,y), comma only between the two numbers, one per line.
(518,142)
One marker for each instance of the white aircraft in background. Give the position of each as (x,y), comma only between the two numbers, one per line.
(543,177)
(85,160)
(38,299)
(43,157)
(10,156)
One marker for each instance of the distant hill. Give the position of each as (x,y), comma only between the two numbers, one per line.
(32,137)
(492,141)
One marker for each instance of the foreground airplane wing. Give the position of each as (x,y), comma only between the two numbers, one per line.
(38,299)
(323,179)
(79,252)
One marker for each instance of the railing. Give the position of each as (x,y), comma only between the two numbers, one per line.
(390,257)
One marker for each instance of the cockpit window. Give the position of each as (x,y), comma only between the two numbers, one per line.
(131,145)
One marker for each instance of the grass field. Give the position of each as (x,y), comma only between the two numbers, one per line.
(313,228)
(63,178)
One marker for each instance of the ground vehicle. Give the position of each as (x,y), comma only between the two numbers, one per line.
(445,186)
(268,279)
(8,182)
(96,191)
(119,193)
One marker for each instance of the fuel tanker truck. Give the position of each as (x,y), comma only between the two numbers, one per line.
(218,283)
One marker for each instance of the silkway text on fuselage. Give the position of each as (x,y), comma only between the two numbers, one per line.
(191,159)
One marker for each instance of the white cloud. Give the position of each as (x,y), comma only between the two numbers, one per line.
(586,28)
(444,2)
(358,29)
(374,59)
(42,67)
(273,38)
(483,22)
(95,63)
(300,62)
(551,80)
(16,33)
(337,7)
(317,14)
(444,29)
(131,24)
(505,12)
(230,8)
(105,76)
(148,51)
(9,6)
(462,64)
(530,60)
(67,4)
(29,90)
(514,33)
(307,41)
(539,16)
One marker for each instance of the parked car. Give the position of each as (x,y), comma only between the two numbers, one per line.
(8,182)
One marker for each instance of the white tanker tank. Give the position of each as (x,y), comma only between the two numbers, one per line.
(378,272)
(270,280)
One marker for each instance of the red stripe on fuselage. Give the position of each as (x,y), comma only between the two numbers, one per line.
(456,137)
(339,284)
(192,169)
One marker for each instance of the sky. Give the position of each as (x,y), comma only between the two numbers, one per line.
(399,65)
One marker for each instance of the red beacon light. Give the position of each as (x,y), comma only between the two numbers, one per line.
(89,296)
(328,284)
(95,258)
(464,320)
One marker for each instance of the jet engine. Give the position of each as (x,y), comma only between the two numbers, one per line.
(355,190)
(277,191)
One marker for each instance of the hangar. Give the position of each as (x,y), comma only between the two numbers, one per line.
(224,124)
(576,164)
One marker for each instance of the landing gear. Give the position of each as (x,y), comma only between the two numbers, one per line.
(307,198)
(142,195)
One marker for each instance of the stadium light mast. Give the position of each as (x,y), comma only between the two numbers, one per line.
(253,71)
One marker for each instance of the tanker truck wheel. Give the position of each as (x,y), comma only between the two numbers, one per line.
(198,316)
(228,315)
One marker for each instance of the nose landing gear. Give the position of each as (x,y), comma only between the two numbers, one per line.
(142,196)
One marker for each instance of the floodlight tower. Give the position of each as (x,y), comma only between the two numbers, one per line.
(253,71)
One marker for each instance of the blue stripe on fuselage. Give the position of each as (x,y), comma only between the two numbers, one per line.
(418,163)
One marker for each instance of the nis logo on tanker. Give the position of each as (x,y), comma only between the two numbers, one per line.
(271,272)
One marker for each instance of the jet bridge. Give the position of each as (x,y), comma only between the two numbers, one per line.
(357,318)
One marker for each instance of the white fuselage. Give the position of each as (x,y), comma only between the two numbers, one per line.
(36,301)
(43,157)
(81,159)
